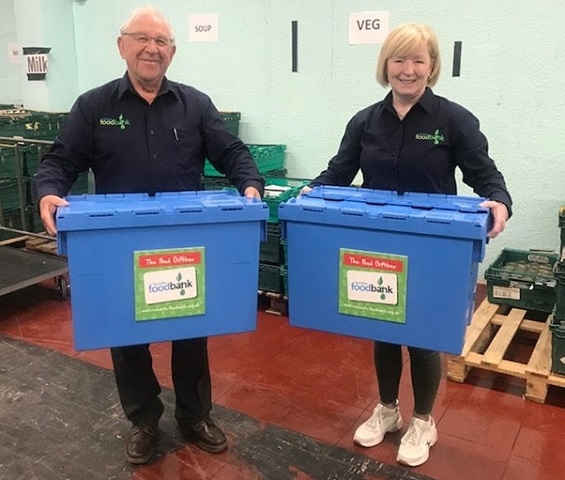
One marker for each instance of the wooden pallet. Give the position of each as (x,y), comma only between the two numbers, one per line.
(493,329)
(15,241)
(278,303)
(42,245)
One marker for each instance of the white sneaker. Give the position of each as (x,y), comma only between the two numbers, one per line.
(383,420)
(416,442)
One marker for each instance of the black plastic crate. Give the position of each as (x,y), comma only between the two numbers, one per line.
(523,279)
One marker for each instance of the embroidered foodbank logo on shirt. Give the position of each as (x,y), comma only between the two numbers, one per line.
(115,122)
(435,137)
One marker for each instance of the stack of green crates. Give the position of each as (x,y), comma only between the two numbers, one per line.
(13,191)
(19,162)
(562,229)
(557,325)
(32,125)
(270,160)
(272,258)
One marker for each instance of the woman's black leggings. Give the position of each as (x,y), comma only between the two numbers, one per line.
(425,369)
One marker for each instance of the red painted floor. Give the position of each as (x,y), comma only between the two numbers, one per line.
(323,385)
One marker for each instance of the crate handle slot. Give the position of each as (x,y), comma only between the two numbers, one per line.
(231,207)
(193,209)
(101,214)
(352,211)
(149,211)
(392,216)
(445,221)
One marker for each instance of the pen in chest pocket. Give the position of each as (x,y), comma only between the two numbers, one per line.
(176,134)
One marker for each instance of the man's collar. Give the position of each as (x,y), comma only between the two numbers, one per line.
(125,85)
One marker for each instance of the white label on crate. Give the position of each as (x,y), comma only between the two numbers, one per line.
(506,292)
(170,285)
(372,287)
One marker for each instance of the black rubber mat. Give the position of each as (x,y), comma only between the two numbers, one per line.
(61,419)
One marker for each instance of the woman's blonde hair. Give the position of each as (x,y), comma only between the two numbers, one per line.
(404,39)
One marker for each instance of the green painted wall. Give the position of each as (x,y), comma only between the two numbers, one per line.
(512,71)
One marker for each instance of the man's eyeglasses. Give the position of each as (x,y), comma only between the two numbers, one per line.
(143,39)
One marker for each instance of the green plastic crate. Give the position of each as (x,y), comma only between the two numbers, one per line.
(232,120)
(33,218)
(562,228)
(27,157)
(557,328)
(10,194)
(522,279)
(34,125)
(284,276)
(267,157)
(270,279)
(12,218)
(81,185)
(270,251)
(559,274)
(279,190)
(215,183)
(8,162)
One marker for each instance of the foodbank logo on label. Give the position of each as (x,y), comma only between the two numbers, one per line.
(170,285)
(374,287)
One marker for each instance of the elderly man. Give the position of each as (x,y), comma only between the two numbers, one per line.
(146,133)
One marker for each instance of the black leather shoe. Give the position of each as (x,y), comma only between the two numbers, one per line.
(141,444)
(206,435)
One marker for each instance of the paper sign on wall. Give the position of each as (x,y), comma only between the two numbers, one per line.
(36,62)
(203,28)
(368,27)
(14,53)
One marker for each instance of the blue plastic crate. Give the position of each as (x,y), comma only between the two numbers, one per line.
(148,269)
(383,266)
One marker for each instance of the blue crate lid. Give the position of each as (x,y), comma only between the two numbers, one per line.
(421,213)
(112,211)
